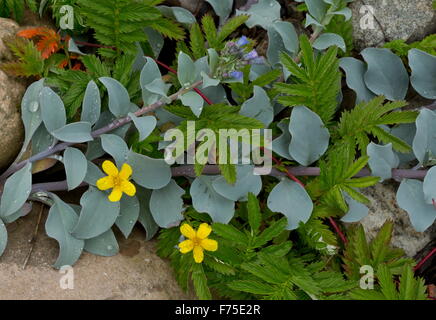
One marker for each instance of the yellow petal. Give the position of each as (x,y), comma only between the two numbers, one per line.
(186,246)
(209,244)
(126,171)
(110,168)
(128,188)
(198,254)
(204,231)
(187,231)
(116,195)
(105,183)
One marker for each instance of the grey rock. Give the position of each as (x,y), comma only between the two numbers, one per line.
(384,207)
(8,27)
(394,19)
(11,127)
(11,92)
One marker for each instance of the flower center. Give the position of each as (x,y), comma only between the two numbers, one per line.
(117,181)
(197,241)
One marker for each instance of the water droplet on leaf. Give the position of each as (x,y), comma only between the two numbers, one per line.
(34,106)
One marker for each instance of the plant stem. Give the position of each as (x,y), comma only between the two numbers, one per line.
(34,236)
(188,171)
(424,260)
(201,94)
(338,230)
(110,127)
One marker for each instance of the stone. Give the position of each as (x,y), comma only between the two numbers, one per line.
(8,28)
(12,131)
(136,273)
(393,19)
(11,92)
(384,207)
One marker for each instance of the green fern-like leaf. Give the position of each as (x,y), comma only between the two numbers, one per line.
(217,117)
(216,39)
(229,27)
(317,235)
(410,288)
(401,48)
(197,42)
(119,23)
(200,282)
(15,8)
(210,30)
(315,84)
(360,252)
(29,61)
(338,177)
(283,279)
(367,118)
(72,83)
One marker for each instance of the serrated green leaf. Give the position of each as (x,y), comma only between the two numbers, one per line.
(254,214)
(230,233)
(270,233)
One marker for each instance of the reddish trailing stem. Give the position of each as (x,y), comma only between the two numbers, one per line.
(424,260)
(338,230)
(175,72)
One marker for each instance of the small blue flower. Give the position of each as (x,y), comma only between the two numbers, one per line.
(238,75)
(251,55)
(242,41)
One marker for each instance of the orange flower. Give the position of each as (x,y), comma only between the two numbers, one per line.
(47,40)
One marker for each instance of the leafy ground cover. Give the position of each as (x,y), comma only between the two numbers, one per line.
(118,81)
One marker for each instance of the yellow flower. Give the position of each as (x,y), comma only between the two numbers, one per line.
(197,241)
(117,180)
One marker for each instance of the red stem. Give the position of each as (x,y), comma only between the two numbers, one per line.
(175,72)
(290,175)
(88,44)
(338,230)
(423,261)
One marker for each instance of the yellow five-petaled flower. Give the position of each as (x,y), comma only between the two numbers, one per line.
(117,180)
(197,241)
